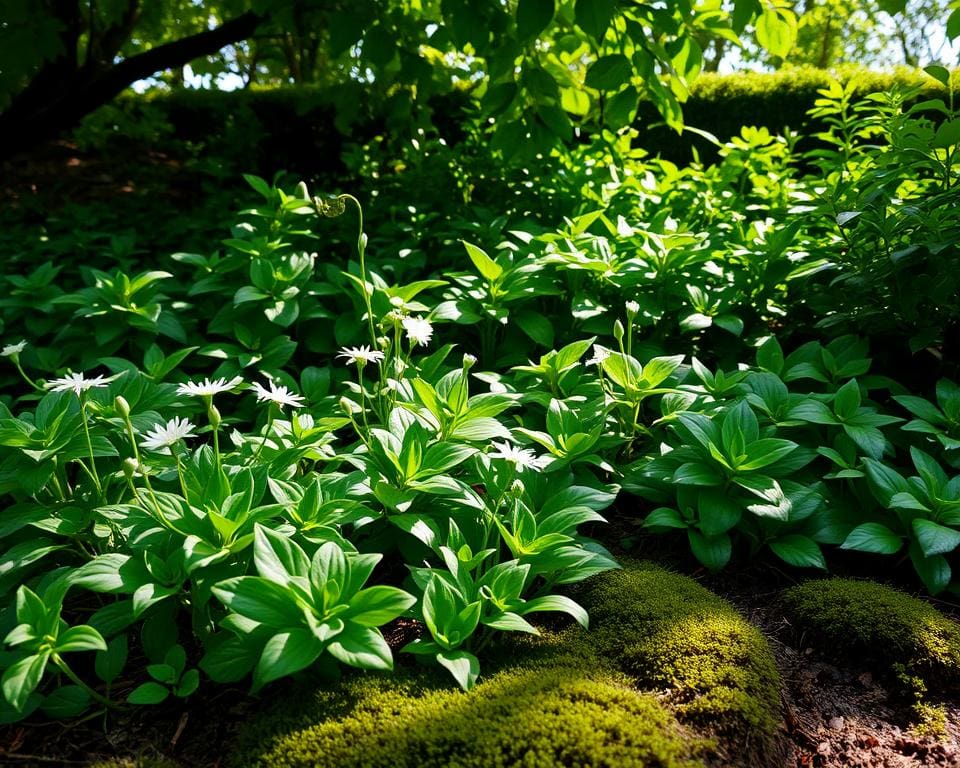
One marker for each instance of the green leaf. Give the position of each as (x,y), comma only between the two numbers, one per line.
(764,452)
(777,31)
(718,512)
(594,16)
(148,693)
(560,603)
(933,538)
(938,73)
(486,266)
(21,679)
(109,663)
(847,400)
(799,551)
(80,638)
(664,517)
(464,667)
(277,557)
(695,473)
(284,654)
(363,648)
(261,600)
(873,537)
(933,571)
(378,605)
(713,551)
(770,355)
(66,702)
(609,73)
(533,16)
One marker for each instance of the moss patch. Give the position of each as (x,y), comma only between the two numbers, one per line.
(539,716)
(669,632)
(571,698)
(861,619)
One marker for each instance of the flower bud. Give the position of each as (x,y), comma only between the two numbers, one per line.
(618,330)
(632,309)
(302,192)
(129,468)
(516,488)
(122,406)
(214,416)
(469,361)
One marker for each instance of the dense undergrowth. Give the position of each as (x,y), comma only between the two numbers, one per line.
(243,462)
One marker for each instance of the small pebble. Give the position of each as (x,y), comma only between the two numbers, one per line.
(836,723)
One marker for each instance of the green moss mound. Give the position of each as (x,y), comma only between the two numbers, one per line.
(538,717)
(862,619)
(571,698)
(138,762)
(669,632)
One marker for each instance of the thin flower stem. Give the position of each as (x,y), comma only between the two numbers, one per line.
(65,668)
(26,378)
(361,250)
(266,435)
(363,399)
(93,463)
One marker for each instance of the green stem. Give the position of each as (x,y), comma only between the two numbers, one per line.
(26,378)
(93,463)
(266,435)
(64,667)
(362,251)
(363,399)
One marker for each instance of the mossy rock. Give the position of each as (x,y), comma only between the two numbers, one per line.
(570,698)
(869,621)
(538,717)
(669,632)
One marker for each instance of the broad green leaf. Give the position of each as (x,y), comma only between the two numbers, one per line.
(22,677)
(713,551)
(464,667)
(873,537)
(594,16)
(484,264)
(664,517)
(609,73)
(363,648)
(533,16)
(777,31)
(378,605)
(80,638)
(799,551)
(148,693)
(284,654)
(764,452)
(560,603)
(277,557)
(261,600)
(933,538)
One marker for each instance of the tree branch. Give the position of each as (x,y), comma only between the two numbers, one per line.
(44,109)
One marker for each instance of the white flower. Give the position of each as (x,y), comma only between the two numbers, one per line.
(632,307)
(13,350)
(208,388)
(522,458)
(279,395)
(161,437)
(419,330)
(599,355)
(361,355)
(77,383)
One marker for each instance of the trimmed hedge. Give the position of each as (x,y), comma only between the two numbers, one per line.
(299,128)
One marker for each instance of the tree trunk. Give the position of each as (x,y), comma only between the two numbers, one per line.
(58,98)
